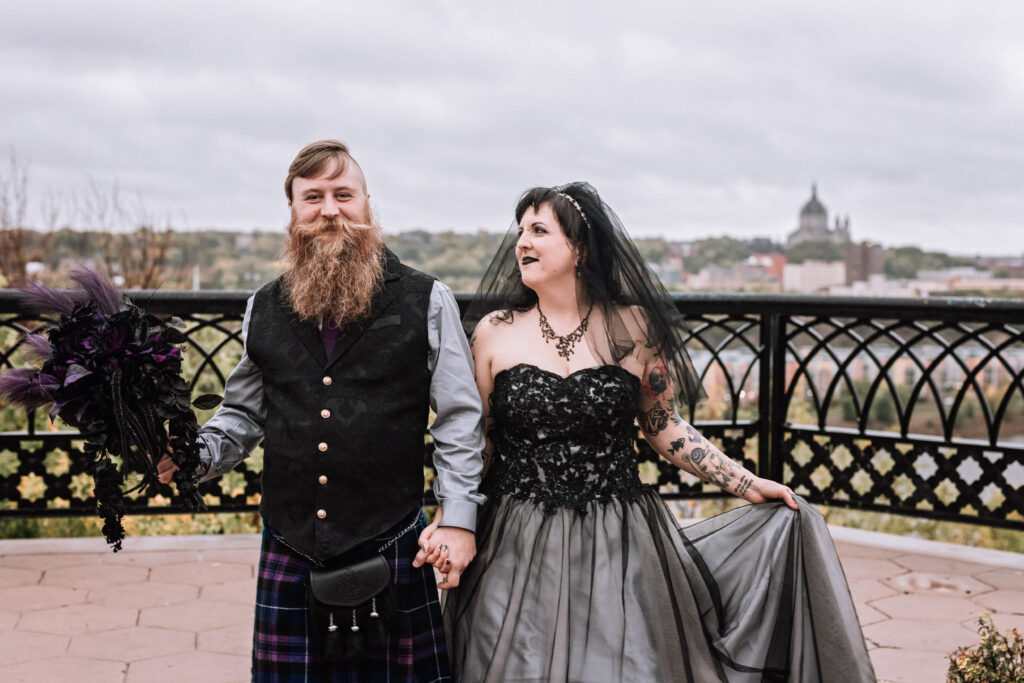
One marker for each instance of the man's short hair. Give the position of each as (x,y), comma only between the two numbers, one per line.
(317,157)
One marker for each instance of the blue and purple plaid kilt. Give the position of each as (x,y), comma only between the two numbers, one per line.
(416,650)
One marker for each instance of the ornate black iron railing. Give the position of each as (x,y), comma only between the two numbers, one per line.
(895,405)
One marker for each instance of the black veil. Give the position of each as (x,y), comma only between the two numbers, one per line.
(631,309)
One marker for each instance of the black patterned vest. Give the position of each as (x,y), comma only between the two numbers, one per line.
(343,448)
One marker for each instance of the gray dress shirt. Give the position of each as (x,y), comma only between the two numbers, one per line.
(236,429)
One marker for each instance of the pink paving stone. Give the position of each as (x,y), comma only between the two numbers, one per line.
(200,615)
(11,577)
(864,551)
(1007,579)
(133,644)
(63,670)
(866,590)
(959,585)
(78,619)
(233,640)
(1007,602)
(201,573)
(939,565)
(47,562)
(234,555)
(93,576)
(8,620)
(142,558)
(916,607)
(242,592)
(29,598)
(148,594)
(909,666)
(195,666)
(915,635)
(867,614)
(870,568)
(17,646)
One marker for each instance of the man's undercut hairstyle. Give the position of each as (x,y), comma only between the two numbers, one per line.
(315,158)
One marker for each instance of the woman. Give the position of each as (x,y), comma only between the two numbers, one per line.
(581,573)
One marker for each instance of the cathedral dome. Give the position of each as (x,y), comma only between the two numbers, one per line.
(813,207)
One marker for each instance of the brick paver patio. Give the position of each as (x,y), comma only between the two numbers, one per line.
(180,608)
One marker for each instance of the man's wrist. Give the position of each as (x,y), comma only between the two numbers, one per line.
(459,513)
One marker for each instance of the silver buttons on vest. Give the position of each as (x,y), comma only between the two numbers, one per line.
(322,446)
(327,381)
(322,479)
(325,413)
(321,513)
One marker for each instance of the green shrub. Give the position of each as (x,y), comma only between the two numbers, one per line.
(996,657)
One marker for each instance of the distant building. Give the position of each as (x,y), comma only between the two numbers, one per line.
(759,273)
(863,261)
(813,277)
(813,225)
(773,264)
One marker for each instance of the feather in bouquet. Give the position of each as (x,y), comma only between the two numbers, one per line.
(114,373)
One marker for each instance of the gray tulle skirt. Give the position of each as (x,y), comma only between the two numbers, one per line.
(619,593)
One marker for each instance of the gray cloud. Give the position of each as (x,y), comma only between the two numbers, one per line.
(692,120)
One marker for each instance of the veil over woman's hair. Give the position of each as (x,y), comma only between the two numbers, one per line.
(631,308)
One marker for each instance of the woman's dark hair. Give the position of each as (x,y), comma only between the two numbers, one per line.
(616,286)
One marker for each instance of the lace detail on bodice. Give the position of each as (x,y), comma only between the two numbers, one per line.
(564,441)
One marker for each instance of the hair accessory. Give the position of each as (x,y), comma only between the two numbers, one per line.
(578,208)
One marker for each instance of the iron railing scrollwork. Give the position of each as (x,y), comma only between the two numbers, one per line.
(895,405)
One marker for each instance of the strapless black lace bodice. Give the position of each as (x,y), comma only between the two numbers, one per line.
(564,441)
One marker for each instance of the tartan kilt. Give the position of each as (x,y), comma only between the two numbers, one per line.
(416,650)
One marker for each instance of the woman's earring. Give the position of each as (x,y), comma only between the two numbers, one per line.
(579,269)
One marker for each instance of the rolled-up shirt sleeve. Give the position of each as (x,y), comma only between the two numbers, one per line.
(236,429)
(458,423)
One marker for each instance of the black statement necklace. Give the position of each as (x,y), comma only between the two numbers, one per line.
(564,343)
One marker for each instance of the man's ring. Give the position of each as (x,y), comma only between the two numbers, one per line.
(443,548)
(444,578)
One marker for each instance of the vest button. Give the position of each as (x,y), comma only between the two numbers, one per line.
(325,413)
(322,479)
(327,381)
(322,446)
(321,513)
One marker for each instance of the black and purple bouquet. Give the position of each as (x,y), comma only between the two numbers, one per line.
(114,373)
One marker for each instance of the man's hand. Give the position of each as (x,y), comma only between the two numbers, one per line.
(449,549)
(165,469)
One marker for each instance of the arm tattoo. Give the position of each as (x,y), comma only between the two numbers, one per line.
(656,380)
(709,463)
(745,482)
(472,339)
(653,421)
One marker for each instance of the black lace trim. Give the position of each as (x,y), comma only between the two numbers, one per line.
(564,442)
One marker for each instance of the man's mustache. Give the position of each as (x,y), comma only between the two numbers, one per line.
(327,225)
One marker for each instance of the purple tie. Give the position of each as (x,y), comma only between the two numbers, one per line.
(330,337)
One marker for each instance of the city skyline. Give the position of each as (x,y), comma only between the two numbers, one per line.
(692,121)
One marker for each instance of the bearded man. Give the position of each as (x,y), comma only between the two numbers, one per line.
(345,355)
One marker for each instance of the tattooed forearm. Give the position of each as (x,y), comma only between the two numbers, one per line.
(655,420)
(745,482)
(698,455)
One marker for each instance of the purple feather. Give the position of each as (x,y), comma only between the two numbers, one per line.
(21,386)
(38,299)
(39,347)
(99,289)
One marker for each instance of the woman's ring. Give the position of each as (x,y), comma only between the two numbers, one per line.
(443,548)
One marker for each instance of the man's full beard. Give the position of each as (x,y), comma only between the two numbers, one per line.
(334,268)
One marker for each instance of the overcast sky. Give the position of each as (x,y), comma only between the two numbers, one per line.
(691,119)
